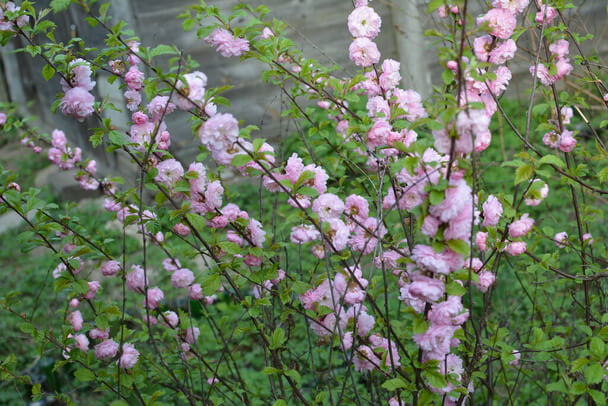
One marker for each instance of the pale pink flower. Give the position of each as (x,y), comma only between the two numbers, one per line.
(559,48)
(160,106)
(132,99)
(503,52)
(561,239)
(517,356)
(134,78)
(482,47)
(364,22)
(521,227)
(501,22)
(378,107)
(155,296)
(424,289)
(363,52)
(390,76)
(486,279)
(227,44)
(588,238)
(79,76)
(546,13)
(182,278)
(75,319)
(448,312)
(516,248)
(169,172)
(195,292)
(364,359)
(304,233)
(192,334)
(492,210)
(566,141)
(82,342)
(98,334)
(411,102)
(129,356)
(219,132)
(93,288)
(106,349)
(193,91)
(515,6)
(169,319)
(481,240)
(136,278)
(77,102)
(328,206)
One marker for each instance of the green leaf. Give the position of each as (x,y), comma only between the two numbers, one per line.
(280,402)
(162,50)
(597,346)
(240,160)
(278,338)
(270,371)
(594,373)
(48,72)
(436,379)
(523,173)
(455,289)
(459,246)
(436,197)
(394,384)
(84,375)
(598,397)
(552,160)
(59,5)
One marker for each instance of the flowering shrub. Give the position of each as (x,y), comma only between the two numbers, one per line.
(372,270)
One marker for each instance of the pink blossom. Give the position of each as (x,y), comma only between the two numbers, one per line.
(363,52)
(551,139)
(566,114)
(559,48)
(486,279)
(182,278)
(169,172)
(357,207)
(227,44)
(423,288)
(561,239)
(155,296)
(267,33)
(516,248)
(82,342)
(411,102)
(437,339)
(492,210)
(566,141)
(364,359)
(378,107)
(79,76)
(546,13)
(219,132)
(482,47)
(134,78)
(427,258)
(133,99)
(588,238)
(74,302)
(390,76)
(536,196)
(391,357)
(169,319)
(449,312)
(192,334)
(192,92)
(304,233)
(328,206)
(364,22)
(136,278)
(339,233)
(93,288)
(515,6)
(77,102)
(195,292)
(106,349)
(129,356)
(501,22)
(457,197)
(159,106)
(503,52)
(481,240)
(171,265)
(98,334)
(521,227)
(517,355)
(379,134)
(75,319)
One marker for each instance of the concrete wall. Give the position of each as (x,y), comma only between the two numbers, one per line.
(318,26)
